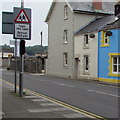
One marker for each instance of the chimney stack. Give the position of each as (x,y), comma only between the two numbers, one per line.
(117,9)
(97,4)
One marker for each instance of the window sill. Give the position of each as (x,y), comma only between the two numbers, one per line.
(65,43)
(113,75)
(105,45)
(66,66)
(65,18)
(86,73)
(86,47)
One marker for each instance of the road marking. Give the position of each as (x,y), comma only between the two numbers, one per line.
(61,84)
(49,104)
(38,100)
(31,97)
(74,115)
(113,86)
(88,114)
(66,85)
(38,79)
(102,93)
(38,74)
(47,110)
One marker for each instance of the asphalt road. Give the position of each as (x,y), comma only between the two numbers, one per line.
(96,98)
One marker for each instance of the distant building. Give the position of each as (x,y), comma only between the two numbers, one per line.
(5,56)
(64,19)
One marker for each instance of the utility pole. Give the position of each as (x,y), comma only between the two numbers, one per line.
(22,44)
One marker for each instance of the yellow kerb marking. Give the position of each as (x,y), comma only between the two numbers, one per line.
(91,115)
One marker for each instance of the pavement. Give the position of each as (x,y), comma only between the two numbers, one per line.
(32,106)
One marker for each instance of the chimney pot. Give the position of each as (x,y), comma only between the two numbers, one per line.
(97,4)
(117,9)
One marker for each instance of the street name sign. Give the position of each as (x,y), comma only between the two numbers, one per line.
(22,23)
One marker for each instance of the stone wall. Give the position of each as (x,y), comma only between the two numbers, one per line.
(31,64)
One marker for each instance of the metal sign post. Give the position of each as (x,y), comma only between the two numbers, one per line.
(16,66)
(18,23)
(22,31)
(21,77)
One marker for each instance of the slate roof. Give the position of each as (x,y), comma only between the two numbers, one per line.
(113,25)
(107,7)
(80,7)
(95,25)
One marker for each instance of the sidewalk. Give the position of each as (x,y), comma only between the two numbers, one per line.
(32,106)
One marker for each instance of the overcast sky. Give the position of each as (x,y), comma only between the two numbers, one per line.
(39,13)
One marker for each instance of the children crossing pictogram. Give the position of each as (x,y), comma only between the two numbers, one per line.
(22,17)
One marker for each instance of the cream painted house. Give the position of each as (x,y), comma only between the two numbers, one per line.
(86,48)
(64,19)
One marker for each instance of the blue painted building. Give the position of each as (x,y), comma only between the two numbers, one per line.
(109,52)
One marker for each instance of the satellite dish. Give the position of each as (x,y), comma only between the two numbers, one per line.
(92,35)
(109,33)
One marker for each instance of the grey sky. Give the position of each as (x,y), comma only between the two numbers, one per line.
(39,13)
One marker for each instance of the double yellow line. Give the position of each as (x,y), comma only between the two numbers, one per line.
(88,114)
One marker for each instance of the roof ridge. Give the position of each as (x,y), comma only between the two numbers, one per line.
(87,24)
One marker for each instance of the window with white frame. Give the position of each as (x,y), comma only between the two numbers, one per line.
(65,36)
(86,63)
(86,40)
(65,12)
(116,64)
(65,58)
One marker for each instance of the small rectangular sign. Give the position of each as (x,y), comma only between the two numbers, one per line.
(22,31)
(7,23)
(12,42)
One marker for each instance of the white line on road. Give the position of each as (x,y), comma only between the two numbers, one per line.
(38,79)
(103,93)
(74,115)
(61,84)
(49,104)
(47,110)
(38,100)
(31,97)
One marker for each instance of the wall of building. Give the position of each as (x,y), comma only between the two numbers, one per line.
(91,51)
(56,45)
(103,58)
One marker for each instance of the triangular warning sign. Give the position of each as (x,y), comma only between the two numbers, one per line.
(22,17)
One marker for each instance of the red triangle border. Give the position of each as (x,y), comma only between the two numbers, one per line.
(18,16)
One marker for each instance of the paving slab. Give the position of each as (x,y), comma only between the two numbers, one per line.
(31,106)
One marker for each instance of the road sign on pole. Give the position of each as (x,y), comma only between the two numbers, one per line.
(7,22)
(22,23)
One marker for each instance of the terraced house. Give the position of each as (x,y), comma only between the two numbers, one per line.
(109,51)
(64,19)
(86,48)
